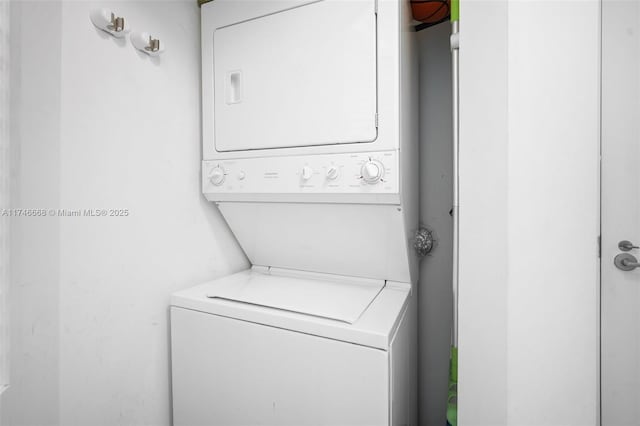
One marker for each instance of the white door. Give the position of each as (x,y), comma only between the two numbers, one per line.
(300,77)
(620,360)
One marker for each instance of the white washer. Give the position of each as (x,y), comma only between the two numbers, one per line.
(309,151)
(265,347)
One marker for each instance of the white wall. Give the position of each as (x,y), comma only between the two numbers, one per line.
(5,192)
(529,290)
(34,289)
(90,335)
(482,302)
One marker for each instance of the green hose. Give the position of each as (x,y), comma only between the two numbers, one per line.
(452,397)
(455,10)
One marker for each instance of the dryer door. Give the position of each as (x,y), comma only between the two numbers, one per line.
(301,77)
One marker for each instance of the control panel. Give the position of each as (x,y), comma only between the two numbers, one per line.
(373,172)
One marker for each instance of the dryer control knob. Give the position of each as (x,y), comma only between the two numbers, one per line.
(307,172)
(372,171)
(216,175)
(332,172)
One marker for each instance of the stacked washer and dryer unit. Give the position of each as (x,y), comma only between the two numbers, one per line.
(310,153)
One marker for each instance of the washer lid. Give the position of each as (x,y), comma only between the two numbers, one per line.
(374,328)
(341,299)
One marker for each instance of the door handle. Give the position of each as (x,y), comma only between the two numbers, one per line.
(625,245)
(234,87)
(626,262)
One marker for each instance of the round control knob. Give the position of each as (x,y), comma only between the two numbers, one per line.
(332,172)
(307,172)
(216,175)
(372,171)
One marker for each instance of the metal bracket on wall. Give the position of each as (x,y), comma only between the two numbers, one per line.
(109,22)
(147,44)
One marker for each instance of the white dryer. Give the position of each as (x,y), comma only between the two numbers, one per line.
(309,151)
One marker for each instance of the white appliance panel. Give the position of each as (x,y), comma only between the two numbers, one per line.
(300,77)
(230,372)
(341,301)
(356,240)
(326,174)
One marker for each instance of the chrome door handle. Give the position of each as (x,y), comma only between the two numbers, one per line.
(625,245)
(626,262)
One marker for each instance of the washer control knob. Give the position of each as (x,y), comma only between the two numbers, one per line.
(372,171)
(307,172)
(216,175)
(241,175)
(332,172)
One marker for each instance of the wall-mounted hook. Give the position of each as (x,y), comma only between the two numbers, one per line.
(147,44)
(109,22)
(117,23)
(154,45)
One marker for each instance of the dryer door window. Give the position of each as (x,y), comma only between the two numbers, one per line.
(301,77)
